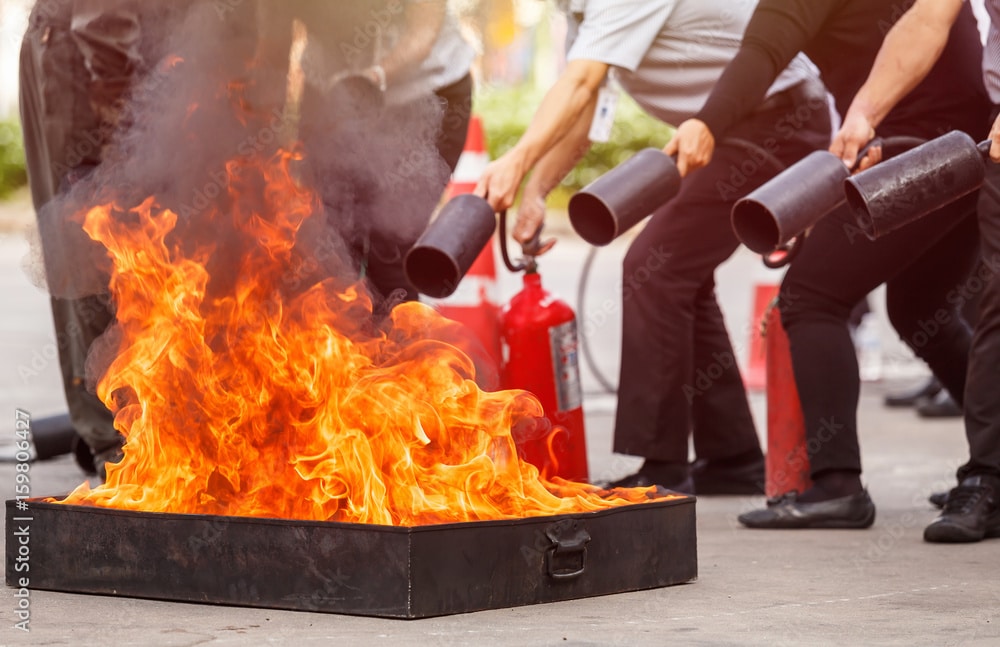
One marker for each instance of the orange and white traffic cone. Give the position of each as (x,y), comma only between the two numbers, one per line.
(755,378)
(787,465)
(475,301)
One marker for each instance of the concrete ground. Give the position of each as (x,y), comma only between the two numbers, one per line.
(878,586)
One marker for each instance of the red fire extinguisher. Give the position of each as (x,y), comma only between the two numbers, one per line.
(540,351)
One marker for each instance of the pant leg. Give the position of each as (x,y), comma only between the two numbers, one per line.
(79,322)
(982,406)
(678,370)
(926,302)
(718,435)
(837,267)
(666,268)
(41,180)
(56,118)
(456,100)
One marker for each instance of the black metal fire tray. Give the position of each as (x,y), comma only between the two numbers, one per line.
(357,569)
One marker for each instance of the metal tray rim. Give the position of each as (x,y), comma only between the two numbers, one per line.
(39,503)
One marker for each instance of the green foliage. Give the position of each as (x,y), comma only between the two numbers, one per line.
(12,171)
(506,113)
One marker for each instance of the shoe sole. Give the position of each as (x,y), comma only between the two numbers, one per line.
(951,534)
(826,524)
(940,533)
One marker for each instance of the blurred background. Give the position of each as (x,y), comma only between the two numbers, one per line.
(520,54)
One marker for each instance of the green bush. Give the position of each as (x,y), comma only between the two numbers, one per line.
(12,172)
(506,113)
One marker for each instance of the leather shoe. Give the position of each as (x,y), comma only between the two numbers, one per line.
(938,499)
(940,406)
(854,511)
(971,513)
(710,478)
(641,480)
(913,397)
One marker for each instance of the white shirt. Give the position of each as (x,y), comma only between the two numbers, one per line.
(991,52)
(668,53)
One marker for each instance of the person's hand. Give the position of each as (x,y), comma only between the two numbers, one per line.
(500,181)
(693,144)
(995,140)
(529,224)
(853,135)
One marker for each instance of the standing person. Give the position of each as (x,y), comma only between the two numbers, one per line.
(398,146)
(425,68)
(972,509)
(78,58)
(919,263)
(668,54)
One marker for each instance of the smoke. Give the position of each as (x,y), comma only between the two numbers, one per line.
(212,89)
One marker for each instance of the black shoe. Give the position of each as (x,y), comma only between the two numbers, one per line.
(641,480)
(84,457)
(913,397)
(940,406)
(711,478)
(938,499)
(970,513)
(854,511)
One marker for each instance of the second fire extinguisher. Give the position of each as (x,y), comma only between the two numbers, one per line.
(541,355)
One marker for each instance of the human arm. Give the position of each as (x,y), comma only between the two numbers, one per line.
(548,173)
(565,105)
(422,21)
(909,51)
(608,33)
(995,140)
(778,30)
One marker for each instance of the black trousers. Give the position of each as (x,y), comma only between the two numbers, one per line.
(62,132)
(925,267)
(679,376)
(982,404)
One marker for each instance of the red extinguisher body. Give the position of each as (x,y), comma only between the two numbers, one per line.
(541,355)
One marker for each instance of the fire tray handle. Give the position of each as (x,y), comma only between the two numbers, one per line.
(566,558)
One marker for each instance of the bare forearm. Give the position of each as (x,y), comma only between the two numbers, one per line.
(422,23)
(908,53)
(570,101)
(560,159)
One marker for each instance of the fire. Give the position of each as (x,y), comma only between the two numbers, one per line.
(245,397)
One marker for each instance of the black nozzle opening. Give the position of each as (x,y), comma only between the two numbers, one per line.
(432,272)
(756,227)
(592,219)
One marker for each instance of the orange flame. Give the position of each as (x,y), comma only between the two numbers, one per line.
(259,403)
